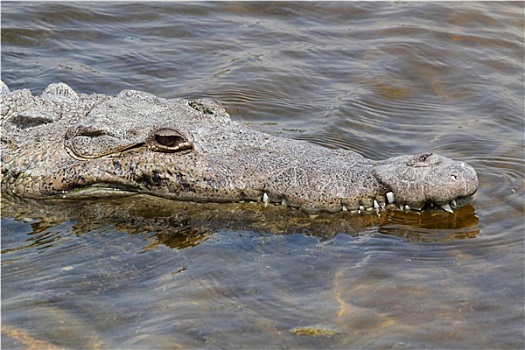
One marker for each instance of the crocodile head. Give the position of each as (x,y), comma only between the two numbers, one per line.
(76,145)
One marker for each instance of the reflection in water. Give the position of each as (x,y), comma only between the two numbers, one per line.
(110,265)
(432,226)
(321,279)
(181,225)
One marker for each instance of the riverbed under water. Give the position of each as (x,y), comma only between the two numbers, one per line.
(383,79)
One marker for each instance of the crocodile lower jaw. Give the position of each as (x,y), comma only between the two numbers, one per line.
(389,202)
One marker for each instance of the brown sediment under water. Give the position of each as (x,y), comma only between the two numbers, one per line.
(383,79)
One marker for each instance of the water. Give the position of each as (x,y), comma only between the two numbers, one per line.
(383,79)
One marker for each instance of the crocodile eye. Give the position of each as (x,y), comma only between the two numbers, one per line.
(167,140)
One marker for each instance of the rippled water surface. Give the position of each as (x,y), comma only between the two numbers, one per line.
(383,79)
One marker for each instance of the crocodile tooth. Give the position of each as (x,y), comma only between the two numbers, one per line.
(345,208)
(453,202)
(376,205)
(265,199)
(390,197)
(284,202)
(407,207)
(401,206)
(446,207)
(361,207)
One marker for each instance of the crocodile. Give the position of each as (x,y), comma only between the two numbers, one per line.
(64,144)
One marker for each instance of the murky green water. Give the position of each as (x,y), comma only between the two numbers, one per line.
(383,79)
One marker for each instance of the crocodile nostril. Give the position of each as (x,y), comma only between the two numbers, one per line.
(423,157)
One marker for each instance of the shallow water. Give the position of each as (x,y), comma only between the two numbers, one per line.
(383,79)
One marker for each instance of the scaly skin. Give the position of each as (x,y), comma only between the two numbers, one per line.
(77,145)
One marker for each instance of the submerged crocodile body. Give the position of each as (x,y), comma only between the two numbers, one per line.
(73,145)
